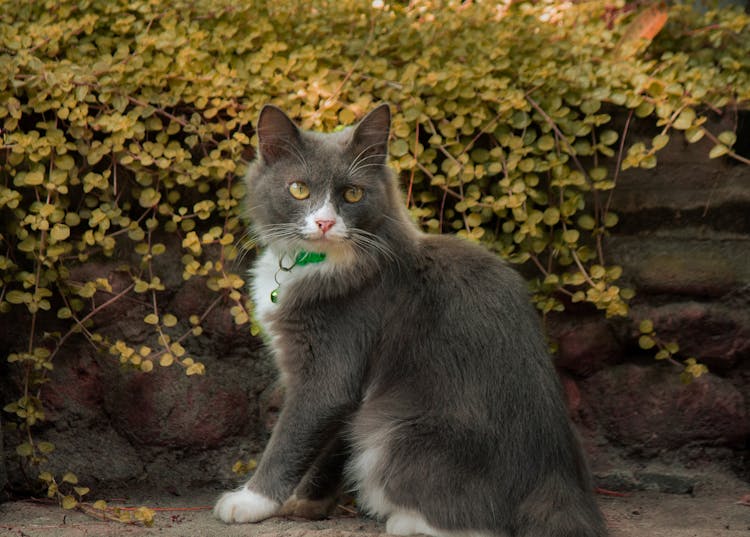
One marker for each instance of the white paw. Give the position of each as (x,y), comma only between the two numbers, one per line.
(409,523)
(244,505)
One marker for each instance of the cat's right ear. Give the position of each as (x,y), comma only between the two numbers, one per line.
(277,134)
(370,138)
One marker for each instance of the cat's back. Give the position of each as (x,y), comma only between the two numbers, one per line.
(463,303)
(454,269)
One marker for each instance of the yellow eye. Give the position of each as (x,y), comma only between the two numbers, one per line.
(299,190)
(353,194)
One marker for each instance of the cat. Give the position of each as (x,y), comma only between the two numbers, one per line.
(414,365)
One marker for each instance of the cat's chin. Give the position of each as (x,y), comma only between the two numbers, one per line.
(335,248)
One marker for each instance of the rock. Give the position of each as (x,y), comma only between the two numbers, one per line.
(584,344)
(684,180)
(3,472)
(271,403)
(75,386)
(647,409)
(669,482)
(167,408)
(682,266)
(716,334)
(659,480)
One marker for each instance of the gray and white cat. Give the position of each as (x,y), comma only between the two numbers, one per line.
(414,365)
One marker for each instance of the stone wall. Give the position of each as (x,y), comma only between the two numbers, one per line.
(683,242)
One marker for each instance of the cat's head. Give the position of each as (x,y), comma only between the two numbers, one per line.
(319,192)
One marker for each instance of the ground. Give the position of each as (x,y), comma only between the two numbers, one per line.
(717,507)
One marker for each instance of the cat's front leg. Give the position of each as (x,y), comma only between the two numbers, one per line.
(306,424)
(315,497)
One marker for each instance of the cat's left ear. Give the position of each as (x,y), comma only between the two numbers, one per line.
(370,138)
(277,134)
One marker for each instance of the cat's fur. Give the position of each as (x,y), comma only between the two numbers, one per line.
(416,358)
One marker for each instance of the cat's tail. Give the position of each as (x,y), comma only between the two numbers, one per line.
(559,508)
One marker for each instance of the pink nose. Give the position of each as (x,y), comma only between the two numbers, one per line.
(325,225)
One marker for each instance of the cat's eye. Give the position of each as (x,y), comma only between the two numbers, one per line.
(353,194)
(299,190)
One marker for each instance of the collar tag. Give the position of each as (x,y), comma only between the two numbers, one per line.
(303,258)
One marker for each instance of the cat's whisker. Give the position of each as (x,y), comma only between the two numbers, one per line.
(360,164)
(360,158)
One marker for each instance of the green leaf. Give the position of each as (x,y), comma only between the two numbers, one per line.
(571,236)
(81,491)
(646,342)
(474,219)
(718,150)
(728,138)
(551,216)
(694,134)
(586,221)
(685,120)
(60,232)
(399,148)
(646,326)
(660,141)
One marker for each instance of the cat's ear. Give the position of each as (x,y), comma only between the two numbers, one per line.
(277,134)
(370,138)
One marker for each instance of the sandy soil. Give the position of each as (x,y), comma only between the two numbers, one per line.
(713,509)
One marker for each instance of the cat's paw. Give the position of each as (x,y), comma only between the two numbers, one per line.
(244,505)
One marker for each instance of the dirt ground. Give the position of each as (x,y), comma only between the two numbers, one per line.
(714,509)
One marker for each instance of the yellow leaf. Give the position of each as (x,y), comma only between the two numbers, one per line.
(69,502)
(169,320)
(60,232)
(70,478)
(151,318)
(196,369)
(646,326)
(101,505)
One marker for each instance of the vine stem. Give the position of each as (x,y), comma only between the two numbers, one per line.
(582,268)
(89,315)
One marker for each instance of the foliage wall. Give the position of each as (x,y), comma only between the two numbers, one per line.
(126,125)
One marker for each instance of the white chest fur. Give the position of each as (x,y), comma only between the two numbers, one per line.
(267,277)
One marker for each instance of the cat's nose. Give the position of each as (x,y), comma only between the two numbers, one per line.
(325,225)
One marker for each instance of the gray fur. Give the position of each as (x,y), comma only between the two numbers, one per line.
(427,345)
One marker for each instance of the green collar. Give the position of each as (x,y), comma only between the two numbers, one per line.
(303,258)
(307,258)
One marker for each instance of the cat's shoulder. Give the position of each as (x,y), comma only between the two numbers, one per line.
(448,257)
(455,249)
